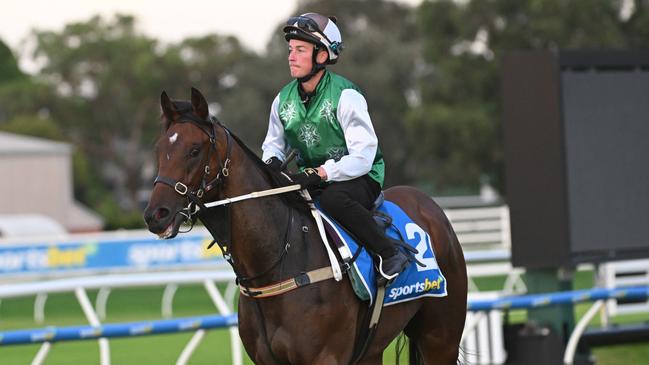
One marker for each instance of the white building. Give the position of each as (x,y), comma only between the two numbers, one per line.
(36,178)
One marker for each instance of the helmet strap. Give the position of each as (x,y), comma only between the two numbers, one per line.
(315,68)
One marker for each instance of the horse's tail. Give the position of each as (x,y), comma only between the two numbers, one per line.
(414,358)
(413,354)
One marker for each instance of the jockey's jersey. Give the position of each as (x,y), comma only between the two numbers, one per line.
(313,128)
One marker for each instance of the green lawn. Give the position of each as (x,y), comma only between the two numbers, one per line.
(144,304)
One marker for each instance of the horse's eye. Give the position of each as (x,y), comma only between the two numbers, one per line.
(194,152)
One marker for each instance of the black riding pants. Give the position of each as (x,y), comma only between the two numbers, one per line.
(349,203)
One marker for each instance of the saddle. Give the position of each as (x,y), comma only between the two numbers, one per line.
(422,279)
(384,221)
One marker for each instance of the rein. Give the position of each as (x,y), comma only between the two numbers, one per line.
(253,195)
(197,209)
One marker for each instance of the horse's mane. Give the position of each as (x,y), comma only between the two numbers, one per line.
(277,179)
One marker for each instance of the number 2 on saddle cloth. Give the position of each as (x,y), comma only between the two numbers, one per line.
(414,282)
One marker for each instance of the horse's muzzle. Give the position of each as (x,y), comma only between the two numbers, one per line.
(163,221)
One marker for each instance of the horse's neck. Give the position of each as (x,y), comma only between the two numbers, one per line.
(260,227)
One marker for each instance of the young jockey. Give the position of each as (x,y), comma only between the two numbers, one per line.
(324,117)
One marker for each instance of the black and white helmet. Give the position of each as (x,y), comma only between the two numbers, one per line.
(317,29)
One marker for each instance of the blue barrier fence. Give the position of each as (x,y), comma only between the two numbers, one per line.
(576,296)
(54,334)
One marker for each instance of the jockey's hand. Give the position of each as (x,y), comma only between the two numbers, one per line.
(274,163)
(307,178)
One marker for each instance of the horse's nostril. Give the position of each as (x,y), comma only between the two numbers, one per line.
(161,213)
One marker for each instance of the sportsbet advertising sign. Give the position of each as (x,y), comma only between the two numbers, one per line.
(99,254)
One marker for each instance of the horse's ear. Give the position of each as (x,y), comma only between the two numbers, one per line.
(199,104)
(168,108)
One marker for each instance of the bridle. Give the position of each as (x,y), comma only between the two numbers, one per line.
(196,208)
(194,197)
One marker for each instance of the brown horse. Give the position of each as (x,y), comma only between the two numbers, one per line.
(274,238)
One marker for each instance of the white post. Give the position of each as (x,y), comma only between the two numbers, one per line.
(498,353)
(471,349)
(484,355)
(104,350)
(472,319)
(168,299)
(39,307)
(221,305)
(42,353)
(190,347)
(605,277)
(505,229)
(571,347)
(231,291)
(101,302)
(470,338)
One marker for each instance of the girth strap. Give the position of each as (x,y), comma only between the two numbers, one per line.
(361,348)
(335,265)
(311,277)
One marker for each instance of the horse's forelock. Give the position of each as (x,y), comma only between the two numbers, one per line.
(182,106)
(185,114)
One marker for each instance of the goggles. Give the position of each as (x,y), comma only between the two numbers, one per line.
(304,23)
(311,27)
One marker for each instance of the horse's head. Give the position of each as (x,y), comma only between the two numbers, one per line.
(189,163)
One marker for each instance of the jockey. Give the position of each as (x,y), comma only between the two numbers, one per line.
(324,117)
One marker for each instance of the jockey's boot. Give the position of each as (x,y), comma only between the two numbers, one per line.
(391,266)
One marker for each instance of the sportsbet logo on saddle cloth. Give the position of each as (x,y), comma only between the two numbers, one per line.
(416,281)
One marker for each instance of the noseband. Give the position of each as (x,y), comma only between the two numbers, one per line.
(194,203)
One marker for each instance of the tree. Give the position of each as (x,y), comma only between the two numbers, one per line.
(110,78)
(460,114)
(36,126)
(9,75)
(105,73)
(9,70)
(230,76)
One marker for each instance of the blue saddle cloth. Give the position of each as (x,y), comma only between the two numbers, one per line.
(415,281)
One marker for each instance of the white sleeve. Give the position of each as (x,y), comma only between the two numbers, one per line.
(274,144)
(360,138)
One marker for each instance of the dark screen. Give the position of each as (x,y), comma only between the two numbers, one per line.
(606,125)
